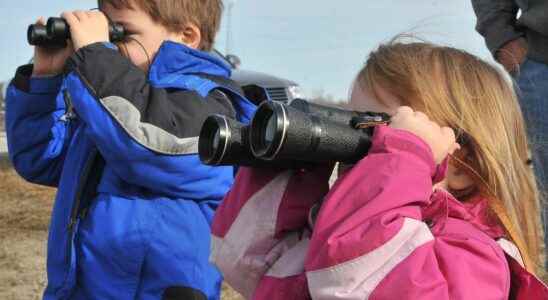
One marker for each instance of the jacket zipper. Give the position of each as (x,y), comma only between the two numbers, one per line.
(69,108)
(80,189)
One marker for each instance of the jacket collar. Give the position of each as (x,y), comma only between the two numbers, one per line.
(174,59)
(475,211)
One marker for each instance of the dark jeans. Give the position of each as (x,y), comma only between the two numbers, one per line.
(533,95)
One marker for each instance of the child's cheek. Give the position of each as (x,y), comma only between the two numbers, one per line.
(136,54)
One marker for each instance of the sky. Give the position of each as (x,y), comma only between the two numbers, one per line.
(320,44)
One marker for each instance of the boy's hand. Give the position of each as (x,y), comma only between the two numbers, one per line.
(440,139)
(87,27)
(50,62)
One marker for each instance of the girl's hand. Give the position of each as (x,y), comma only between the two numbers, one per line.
(50,62)
(87,27)
(440,139)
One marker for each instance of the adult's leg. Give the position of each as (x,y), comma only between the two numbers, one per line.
(533,95)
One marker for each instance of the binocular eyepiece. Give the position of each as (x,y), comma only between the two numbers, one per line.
(289,135)
(56,32)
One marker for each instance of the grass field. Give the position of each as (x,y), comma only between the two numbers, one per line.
(24,218)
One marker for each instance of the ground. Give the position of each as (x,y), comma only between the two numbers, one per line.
(24,218)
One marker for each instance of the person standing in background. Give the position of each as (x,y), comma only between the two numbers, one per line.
(519,42)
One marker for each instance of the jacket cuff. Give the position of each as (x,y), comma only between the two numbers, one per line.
(24,81)
(101,66)
(91,54)
(89,51)
(497,38)
(390,140)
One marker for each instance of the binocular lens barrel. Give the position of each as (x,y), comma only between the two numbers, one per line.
(215,144)
(57,31)
(289,135)
(335,114)
(37,35)
(332,113)
(285,132)
(268,130)
(214,138)
(224,141)
(59,28)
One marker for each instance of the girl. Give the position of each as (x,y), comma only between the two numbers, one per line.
(420,217)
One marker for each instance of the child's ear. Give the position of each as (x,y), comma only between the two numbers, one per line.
(191,36)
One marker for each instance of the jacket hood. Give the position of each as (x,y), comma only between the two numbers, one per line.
(174,59)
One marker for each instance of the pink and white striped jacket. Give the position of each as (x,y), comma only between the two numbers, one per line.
(381,232)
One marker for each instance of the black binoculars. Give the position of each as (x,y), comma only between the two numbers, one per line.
(56,32)
(295,134)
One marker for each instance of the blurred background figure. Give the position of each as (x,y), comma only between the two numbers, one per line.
(516,33)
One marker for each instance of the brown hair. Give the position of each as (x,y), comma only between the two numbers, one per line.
(457,89)
(174,15)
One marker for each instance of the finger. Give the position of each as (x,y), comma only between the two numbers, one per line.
(40,21)
(420,115)
(449,134)
(81,15)
(96,13)
(71,19)
(455,147)
(98,16)
(92,14)
(404,110)
(434,127)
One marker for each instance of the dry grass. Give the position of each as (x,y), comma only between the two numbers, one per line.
(24,220)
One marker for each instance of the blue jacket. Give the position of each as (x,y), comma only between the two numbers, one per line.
(131,219)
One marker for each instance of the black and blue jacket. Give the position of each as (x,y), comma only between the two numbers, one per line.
(131,219)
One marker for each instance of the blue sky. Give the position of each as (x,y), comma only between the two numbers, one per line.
(320,44)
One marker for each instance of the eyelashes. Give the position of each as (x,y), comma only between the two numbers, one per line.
(128,36)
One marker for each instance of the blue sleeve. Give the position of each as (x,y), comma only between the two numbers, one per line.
(142,156)
(147,136)
(36,130)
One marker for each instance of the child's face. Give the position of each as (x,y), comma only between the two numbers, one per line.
(140,29)
(362,99)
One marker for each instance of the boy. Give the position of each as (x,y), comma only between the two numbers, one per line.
(117,134)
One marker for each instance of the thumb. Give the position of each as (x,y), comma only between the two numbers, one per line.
(454,147)
(40,21)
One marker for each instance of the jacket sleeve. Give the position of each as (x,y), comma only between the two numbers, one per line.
(148,135)
(370,240)
(259,239)
(496,22)
(37,132)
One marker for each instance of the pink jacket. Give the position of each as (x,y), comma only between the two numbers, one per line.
(381,233)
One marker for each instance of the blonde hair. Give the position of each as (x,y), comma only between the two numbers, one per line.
(174,15)
(456,89)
